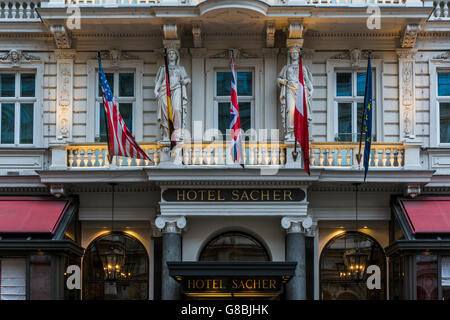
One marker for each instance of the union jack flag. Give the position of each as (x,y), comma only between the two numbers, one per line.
(120,140)
(235,120)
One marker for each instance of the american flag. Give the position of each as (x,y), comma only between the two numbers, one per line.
(235,120)
(120,140)
(301,132)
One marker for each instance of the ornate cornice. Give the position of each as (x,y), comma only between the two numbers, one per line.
(197,34)
(62,35)
(270,34)
(409,35)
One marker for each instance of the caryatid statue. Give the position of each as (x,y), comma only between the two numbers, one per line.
(179,99)
(288,82)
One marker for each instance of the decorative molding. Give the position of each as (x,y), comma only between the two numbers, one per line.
(170,31)
(353,35)
(62,36)
(58,190)
(116,55)
(354,55)
(406,93)
(351,188)
(16,57)
(270,34)
(270,52)
(295,29)
(172,224)
(409,35)
(443,56)
(296,224)
(238,54)
(64,98)
(125,188)
(197,34)
(412,190)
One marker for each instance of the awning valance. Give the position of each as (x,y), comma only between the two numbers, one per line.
(31,214)
(427,214)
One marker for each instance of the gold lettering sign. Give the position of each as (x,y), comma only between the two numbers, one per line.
(232,284)
(234,195)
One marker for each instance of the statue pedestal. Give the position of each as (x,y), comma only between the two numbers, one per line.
(170,158)
(291,161)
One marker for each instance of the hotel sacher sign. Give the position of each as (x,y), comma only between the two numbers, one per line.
(234,195)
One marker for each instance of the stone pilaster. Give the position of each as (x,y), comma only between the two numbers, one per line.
(296,227)
(171,228)
(406,58)
(198,84)
(64,96)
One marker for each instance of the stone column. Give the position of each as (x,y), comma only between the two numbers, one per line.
(296,228)
(171,246)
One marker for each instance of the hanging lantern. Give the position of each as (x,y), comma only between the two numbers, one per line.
(356,264)
(113,262)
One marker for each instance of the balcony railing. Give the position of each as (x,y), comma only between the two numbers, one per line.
(270,2)
(19,10)
(441,10)
(322,155)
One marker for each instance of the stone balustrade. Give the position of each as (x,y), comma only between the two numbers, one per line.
(441,10)
(270,2)
(322,155)
(19,10)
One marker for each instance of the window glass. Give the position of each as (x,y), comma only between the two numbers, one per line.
(343,84)
(126,110)
(225,117)
(345,121)
(359,117)
(444,120)
(13,279)
(109,79)
(234,246)
(361,83)
(244,83)
(444,84)
(445,276)
(103,136)
(126,84)
(26,123)
(27,85)
(7,85)
(7,134)
(426,281)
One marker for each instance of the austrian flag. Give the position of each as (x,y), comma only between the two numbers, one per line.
(301,132)
(120,140)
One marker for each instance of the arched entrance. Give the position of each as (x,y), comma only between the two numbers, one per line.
(115,267)
(338,278)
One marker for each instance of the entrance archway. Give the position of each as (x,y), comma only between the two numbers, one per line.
(335,282)
(126,280)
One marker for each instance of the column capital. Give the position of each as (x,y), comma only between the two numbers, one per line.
(296,224)
(170,224)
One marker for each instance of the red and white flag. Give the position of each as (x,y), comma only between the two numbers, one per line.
(120,140)
(301,132)
(237,149)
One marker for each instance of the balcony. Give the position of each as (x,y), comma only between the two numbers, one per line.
(19,10)
(333,3)
(334,155)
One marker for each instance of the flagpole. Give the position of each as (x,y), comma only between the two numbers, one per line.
(358,156)
(109,156)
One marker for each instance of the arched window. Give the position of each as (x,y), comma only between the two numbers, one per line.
(234,246)
(115,266)
(343,265)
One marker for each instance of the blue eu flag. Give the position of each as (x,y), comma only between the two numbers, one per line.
(367,120)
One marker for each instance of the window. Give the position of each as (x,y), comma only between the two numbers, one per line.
(12,279)
(125,279)
(445,277)
(222,99)
(426,277)
(349,101)
(122,85)
(234,246)
(443,98)
(17,108)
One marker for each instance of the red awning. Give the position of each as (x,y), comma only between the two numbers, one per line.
(428,214)
(31,214)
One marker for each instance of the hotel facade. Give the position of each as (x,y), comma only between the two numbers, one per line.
(190,224)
